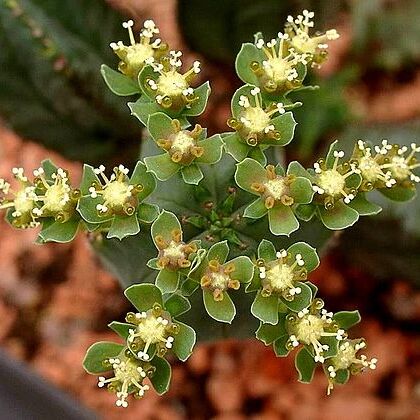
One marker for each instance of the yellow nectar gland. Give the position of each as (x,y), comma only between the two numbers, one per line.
(119,197)
(171,88)
(182,145)
(309,327)
(134,56)
(331,182)
(22,201)
(153,327)
(280,275)
(275,190)
(298,31)
(217,278)
(128,378)
(346,358)
(174,254)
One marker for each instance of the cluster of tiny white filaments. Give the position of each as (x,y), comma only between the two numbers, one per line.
(277,67)
(128,374)
(115,191)
(310,329)
(150,330)
(301,39)
(331,182)
(56,196)
(24,199)
(171,82)
(255,118)
(281,275)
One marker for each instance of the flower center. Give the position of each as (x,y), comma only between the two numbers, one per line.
(346,357)
(255,119)
(309,329)
(56,197)
(399,168)
(126,371)
(332,182)
(151,330)
(174,251)
(182,142)
(116,193)
(370,169)
(171,84)
(24,202)
(137,54)
(280,277)
(277,68)
(275,188)
(219,280)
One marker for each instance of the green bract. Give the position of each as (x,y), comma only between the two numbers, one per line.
(280,280)
(216,276)
(183,149)
(176,258)
(210,204)
(278,192)
(117,203)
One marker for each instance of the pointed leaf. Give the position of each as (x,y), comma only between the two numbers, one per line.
(167,281)
(143,108)
(256,209)
(177,305)
(213,147)
(280,346)
(267,251)
(285,124)
(219,251)
(159,125)
(342,376)
(268,333)
(300,301)
(144,296)
(296,169)
(162,375)
(147,213)
(309,254)
(97,354)
(235,147)
(301,190)
(61,232)
(86,207)
(123,226)
(282,221)
(249,171)
(198,106)
(161,166)
(266,308)
(340,217)
(222,311)
(88,178)
(145,179)
(184,342)
(363,206)
(248,53)
(164,225)
(192,174)
(305,365)
(257,154)
(244,269)
(121,328)
(346,319)
(119,83)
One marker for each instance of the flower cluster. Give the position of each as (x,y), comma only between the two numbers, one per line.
(387,165)
(134,56)
(171,88)
(48,196)
(313,48)
(148,334)
(280,65)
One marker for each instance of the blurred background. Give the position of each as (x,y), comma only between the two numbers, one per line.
(55,300)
